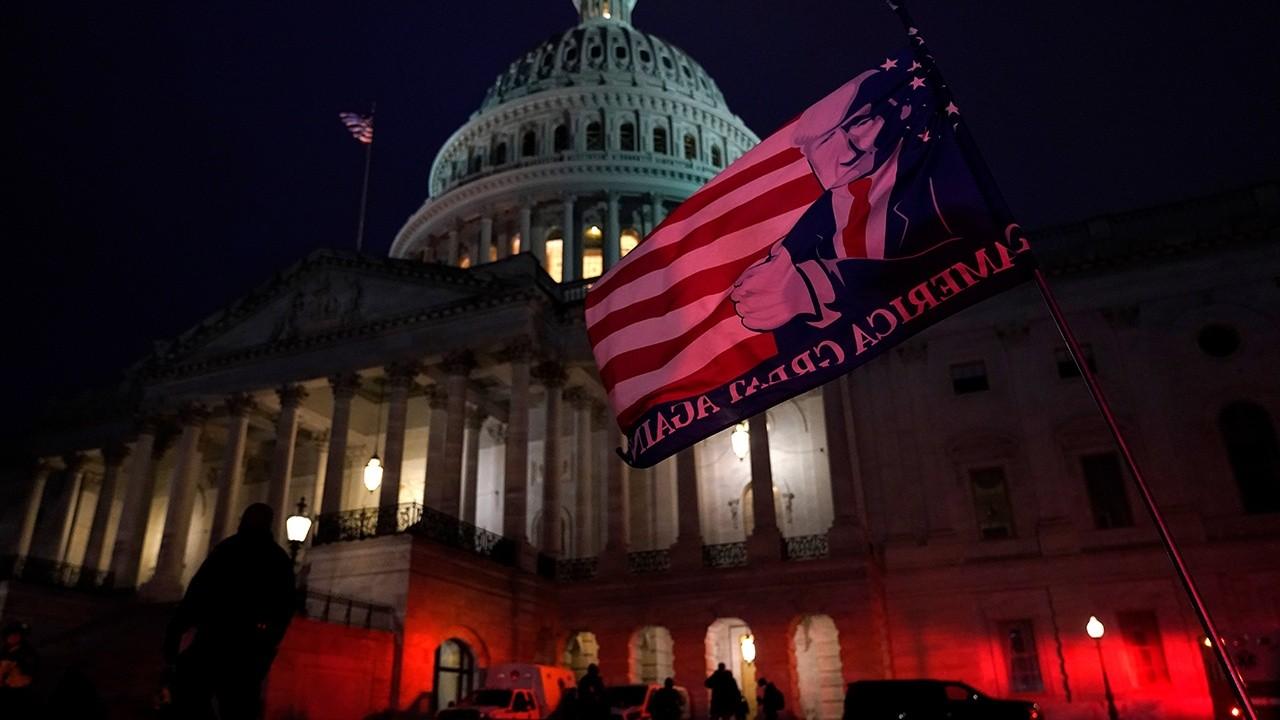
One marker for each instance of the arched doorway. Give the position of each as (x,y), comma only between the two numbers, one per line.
(455,672)
(581,650)
(819,676)
(651,655)
(725,640)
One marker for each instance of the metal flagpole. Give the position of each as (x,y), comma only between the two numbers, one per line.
(364,187)
(989,188)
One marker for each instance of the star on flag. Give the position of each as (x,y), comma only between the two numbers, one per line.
(889,64)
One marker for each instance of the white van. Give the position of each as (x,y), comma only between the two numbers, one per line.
(514,691)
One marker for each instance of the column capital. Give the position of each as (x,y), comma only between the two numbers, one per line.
(291,396)
(345,384)
(613,196)
(476,417)
(240,404)
(402,374)
(568,198)
(550,373)
(437,397)
(600,413)
(193,414)
(318,437)
(578,397)
(518,349)
(459,362)
(114,452)
(74,461)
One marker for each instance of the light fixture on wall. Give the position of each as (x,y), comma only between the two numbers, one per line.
(748,643)
(373,468)
(740,439)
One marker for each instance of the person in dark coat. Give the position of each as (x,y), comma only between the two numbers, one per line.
(769,700)
(19,666)
(725,695)
(591,702)
(666,703)
(239,605)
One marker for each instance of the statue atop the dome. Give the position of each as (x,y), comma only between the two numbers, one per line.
(619,10)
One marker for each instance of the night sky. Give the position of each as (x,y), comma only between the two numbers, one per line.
(166,158)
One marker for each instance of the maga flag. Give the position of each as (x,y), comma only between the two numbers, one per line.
(852,228)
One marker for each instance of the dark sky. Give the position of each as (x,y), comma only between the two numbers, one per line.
(165,158)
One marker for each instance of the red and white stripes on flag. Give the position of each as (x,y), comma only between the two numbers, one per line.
(360,126)
(660,322)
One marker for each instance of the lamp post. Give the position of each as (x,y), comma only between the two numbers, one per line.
(740,440)
(1095,629)
(296,528)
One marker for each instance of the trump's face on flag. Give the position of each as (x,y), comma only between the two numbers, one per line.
(844,136)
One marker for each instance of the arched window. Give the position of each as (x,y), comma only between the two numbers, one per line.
(717,157)
(474,165)
(690,147)
(1250,439)
(455,672)
(660,140)
(562,138)
(500,154)
(627,137)
(529,145)
(595,136)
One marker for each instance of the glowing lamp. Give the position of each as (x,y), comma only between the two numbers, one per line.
(373,473)
(748,648)
(740,439)
(1207,642)
(1235,712)
(296,528)
(1094,627)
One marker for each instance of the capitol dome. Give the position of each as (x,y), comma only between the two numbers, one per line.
(579,148)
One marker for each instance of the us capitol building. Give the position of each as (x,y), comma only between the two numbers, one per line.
(953,510)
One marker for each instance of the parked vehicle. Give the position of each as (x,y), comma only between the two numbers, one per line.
(930,700)
(631,702)
(514,691)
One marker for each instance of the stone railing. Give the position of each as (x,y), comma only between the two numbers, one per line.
(345,611)
(46,572)
(725,555)
(649,561)
(805,547)
(577,569)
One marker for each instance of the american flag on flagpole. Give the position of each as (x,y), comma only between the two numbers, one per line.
(848,230)
(360,126)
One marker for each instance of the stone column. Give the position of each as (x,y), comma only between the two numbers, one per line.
(516,462)
(486,239)
(471,464)
(399,382)
(291,397)
(232,477)
(31,509)
(765,542)
(584,499)
(687,552)
(845,535)
(655,211)
(527,242)
(504,245)
(457,366)
(613,560)
(437,421)
(552,377)
(166,584)
(452,247)
(571,255)
(335,468)
(612,241)
(321,441)
(102,534)
(65,512)
(126,557)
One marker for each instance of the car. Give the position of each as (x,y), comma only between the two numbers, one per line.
(927,699)
(631,702)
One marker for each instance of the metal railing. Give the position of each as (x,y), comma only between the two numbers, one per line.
(448,530)
(47,572)
(649,561)
(365,523)
(577,569)
(725,555)
(805,547)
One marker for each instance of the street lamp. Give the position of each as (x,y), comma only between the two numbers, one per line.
(1095,629)
(296,528)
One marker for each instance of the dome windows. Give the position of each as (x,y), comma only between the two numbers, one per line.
(592,252)
(627,137)
(690,147)
(476,161)
(529,144)
(660,141)
(595,136)
(500,154)
(561,138)
(717,157)
(620,52)
(645,57)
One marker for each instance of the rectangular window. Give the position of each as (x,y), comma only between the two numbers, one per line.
(1105,482)
(991,501)
(1067,366)
(969,377)
(1020,648)
(555,259)
(1142,642)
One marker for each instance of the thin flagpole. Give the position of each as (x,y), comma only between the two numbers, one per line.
(989,188)
(364,187)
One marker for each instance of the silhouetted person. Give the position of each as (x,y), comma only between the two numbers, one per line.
(769,700)
(591,703)
(239,603)
(666,703)
(725,696)
(19,667)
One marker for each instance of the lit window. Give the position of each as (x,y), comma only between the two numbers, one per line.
(493,252)
(1254,455)
(991,501)
(1104,482)
(717,157)
(1067,365)
(464,259)
(1024,663)
(555,258)
(561,138)
(1141,635)
(592,262)
(515,244)
(628,241)
(529,145)
(660,140)
(690,148)
(595,136)
(627,137)
(969,377)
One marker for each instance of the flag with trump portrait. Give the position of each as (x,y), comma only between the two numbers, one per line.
(855,226)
